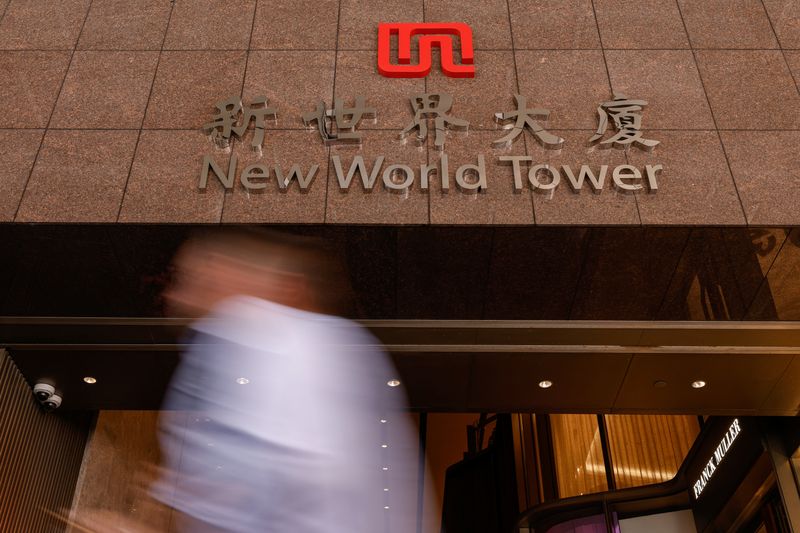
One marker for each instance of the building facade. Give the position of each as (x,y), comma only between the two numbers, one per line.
(575,225)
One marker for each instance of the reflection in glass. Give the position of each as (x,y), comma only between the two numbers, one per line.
(580,468)
(648,449)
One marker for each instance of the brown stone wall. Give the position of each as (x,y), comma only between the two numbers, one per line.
(103,102)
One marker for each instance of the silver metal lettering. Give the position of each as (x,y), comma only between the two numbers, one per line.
(257,171)
(651,171)
(394,171)
(476,171)
(515,165)
(627,172)
(226,180)
(586,173)
(296,174)
(533,177)
(368,179)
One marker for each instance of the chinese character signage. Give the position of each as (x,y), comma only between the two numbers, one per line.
(620,123)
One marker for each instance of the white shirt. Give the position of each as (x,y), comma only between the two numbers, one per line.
(285,434)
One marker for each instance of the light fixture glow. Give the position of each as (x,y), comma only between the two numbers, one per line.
(545,384)
(242,381)
(385,468)
(386,489)
(386,507)
(699,384)
(384,445)
(393,382)
(90,380)
(383,420)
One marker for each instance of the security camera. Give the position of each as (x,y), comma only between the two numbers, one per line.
(51,403)
(43,392)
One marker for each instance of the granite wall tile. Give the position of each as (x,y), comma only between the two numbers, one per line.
(125,25)
(204,25)
(296,25)
(695,186)
(779,298)
(357,205)
(42,24)
(164,180)
(793,59)
(105,90)
(668,80)
(533,273)
(358,20)
(79,176)
(29,86)
(565,206)
(498,203)
(477,99)
(568,24)
(640,24)
(727,24)
(785,17)
(704,286)
(751,252)
(19,148)
(765,168)
(371,262)
(188,84)
(626,272)
(570,83)
(294,82)
(750,89)
(488,19)
(431,262)
(274,204)
(357,74)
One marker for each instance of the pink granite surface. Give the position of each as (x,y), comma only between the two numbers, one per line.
(103,102)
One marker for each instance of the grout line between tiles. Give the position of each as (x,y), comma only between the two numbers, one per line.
(52,111)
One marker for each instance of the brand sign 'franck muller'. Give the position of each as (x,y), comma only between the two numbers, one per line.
(716,459)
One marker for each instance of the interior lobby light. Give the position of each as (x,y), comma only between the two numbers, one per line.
(383,420)
(242,381)
(545,384)
(699,384)
(90,380)
(393,382)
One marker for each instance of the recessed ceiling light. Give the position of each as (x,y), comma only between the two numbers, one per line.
(545,384)
(383,420)
(90,380)
(242,381)
(385,468)
(393,382)
(386,489)
(384,445)
(699,384)
(386,507)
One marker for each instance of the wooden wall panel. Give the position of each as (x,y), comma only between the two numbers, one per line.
(117,471)
(580,468)
(40,456)
(649,449)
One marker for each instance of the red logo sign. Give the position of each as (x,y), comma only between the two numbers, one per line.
(431,34)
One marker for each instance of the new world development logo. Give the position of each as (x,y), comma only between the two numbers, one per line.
(396,58)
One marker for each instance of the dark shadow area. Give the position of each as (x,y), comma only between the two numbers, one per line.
(439,272)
